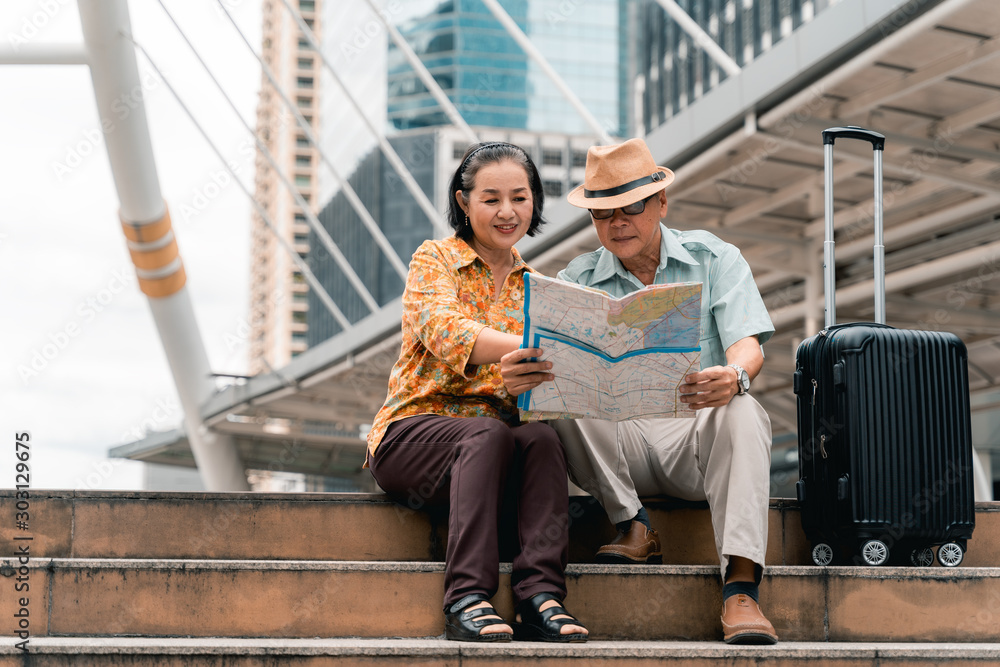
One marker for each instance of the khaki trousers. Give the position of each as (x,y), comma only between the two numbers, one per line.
(722,455)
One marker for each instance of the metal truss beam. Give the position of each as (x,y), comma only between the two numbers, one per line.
(532,52)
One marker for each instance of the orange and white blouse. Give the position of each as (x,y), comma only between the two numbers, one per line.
(447,302)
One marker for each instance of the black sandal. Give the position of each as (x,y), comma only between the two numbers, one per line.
(539,626)
(466,626)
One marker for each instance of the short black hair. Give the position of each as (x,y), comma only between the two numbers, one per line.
(478,156)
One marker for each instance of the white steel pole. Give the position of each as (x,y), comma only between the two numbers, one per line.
(829,257)
(43,54)
(150,239)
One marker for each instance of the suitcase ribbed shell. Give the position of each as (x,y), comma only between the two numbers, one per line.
(885,446)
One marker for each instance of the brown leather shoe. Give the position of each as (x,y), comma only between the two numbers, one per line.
(638,545)
(744,623)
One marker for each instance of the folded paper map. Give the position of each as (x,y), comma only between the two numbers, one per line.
(612,358)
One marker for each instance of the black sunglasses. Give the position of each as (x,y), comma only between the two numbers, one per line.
(634,208)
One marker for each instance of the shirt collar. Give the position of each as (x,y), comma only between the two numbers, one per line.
(672,248)
(609,266)
(464,255)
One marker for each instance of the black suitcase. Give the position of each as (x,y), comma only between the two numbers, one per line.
(885,444)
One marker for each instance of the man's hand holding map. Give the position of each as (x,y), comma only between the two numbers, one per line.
(612,358)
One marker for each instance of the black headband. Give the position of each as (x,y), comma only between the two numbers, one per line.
(490,144)
(622,189)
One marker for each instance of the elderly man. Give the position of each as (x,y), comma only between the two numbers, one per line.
(723,454)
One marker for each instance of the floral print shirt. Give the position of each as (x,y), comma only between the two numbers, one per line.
(448,301)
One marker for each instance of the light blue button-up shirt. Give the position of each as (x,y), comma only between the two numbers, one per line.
(731,306)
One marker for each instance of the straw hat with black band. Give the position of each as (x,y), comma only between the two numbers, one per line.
(619,175)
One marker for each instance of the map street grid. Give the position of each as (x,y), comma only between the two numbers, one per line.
(612,358)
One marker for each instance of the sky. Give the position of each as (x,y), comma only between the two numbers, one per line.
(81,368)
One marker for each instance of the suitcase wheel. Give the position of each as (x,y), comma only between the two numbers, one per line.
(922,557)
(822,554)
(950,554)
(874,552)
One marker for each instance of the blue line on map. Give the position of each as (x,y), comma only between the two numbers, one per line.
(586,348)
(527,310)
(523,399)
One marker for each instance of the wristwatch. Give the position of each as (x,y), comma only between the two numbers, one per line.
(742,379)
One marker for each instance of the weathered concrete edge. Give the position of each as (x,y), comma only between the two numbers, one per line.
(908,574)
(439,647)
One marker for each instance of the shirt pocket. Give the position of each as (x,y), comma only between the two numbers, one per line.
(711,345)
(709,328)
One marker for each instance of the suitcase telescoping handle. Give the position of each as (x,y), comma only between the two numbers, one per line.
(829,267)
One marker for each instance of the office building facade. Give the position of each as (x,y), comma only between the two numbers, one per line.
(497,89)
(672,71)
(494,83)
(278,303)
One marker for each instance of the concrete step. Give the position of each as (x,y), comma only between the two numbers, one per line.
(100,524)
(206,598)
(141,652)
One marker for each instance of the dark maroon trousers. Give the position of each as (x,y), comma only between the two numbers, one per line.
(468,462)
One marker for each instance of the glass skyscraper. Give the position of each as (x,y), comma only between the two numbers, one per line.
(493,83)
(403,222)
(672,71)
(498,90)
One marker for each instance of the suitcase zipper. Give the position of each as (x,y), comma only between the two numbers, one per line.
(822,438)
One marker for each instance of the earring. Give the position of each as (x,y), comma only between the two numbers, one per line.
(468,223)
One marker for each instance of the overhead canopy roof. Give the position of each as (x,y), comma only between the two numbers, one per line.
(932,86)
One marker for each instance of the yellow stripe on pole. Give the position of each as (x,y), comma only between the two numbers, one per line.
(147,232)
(153,250)
(154,259)
(161,287)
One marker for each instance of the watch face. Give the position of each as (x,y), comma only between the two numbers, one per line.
(743,378)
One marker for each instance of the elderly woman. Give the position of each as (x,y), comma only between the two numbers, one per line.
(449,429)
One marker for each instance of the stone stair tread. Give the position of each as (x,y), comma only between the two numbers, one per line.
(437,647)
(150,566)
(178,598)
(867,572)
(574,570)
(365,526)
